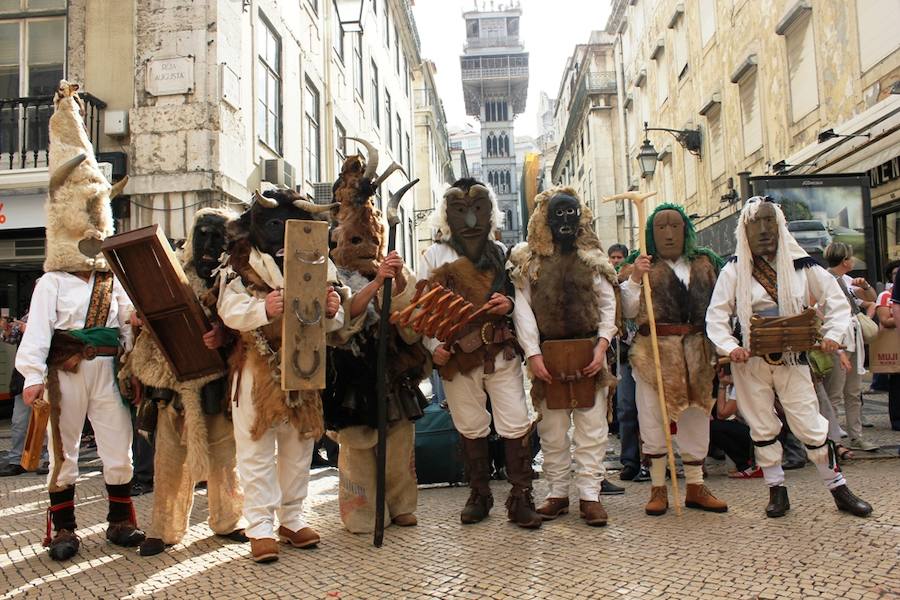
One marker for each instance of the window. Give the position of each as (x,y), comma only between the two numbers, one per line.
(396,51)
(338,35)
(716,148)
(801,59)
(707,20)
(399,153)
(269,86)
(681,47)
(877,31)
(311,132)
(16,6)
(408,156)
(750,117)
(340,146)
(508,224)
(689,169)
(668,185)
(358,68)
(376,105)
(407,76)
(472,29)
(662,78)
(387,119)
(37,70)
(387,25)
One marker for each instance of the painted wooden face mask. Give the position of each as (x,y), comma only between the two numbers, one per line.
(668,234)
(762,231)
(469,218)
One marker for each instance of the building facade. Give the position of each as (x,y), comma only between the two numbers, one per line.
(761,84)
(432,150)
(588,132)
(494,68)
(201,102)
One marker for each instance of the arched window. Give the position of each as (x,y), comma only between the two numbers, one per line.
(505,114)
(509,221)
(506,145)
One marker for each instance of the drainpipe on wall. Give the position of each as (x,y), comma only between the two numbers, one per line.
(625,166)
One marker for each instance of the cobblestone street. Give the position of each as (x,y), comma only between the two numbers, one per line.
(814,552)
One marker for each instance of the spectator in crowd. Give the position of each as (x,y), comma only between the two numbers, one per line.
(887,320)
(730,433)
(617,254)
(12,334)
(894,393)
(845,386)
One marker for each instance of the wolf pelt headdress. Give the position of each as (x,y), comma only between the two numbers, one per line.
(79,214)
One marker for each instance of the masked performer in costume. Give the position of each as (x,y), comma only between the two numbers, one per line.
(77,327)
(771,275)
(565,290)
(350,400)
(194,436)
(484,359)
(274,431)
(682,276)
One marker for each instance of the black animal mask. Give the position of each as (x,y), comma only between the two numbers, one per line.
(563,216)
(208,244)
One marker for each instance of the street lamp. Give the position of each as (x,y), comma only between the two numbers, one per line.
(689,139)
(350,14)
(647,158)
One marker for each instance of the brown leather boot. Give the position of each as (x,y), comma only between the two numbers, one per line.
(593,513)
(659,501)
(553,507)
(477,459)
(519,504)
(264,550)
(699,496)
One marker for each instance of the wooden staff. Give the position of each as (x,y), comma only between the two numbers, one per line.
(639,200)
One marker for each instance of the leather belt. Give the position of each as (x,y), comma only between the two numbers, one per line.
(663,329)
(91,352)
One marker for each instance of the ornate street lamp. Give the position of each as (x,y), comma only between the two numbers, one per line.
(689,139)
(350,14)
(647,158)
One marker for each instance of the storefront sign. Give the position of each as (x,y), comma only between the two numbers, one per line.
(169,76)
(22,211)
(884,172)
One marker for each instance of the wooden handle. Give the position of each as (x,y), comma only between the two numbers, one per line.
(37,433)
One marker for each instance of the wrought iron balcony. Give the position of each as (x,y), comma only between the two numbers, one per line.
(24,129)
(601,82)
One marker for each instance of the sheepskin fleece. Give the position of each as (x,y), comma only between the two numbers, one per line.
(687,360)
(80,208)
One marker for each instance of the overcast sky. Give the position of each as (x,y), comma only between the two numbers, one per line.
(549,29)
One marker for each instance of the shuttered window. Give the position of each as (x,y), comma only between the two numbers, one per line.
(690,174)
(668,182)
(877,24)
(801,57)
(707,20)
(681,48)
(716,152)
(750,117)
(662,78)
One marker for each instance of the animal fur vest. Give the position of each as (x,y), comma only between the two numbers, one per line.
(260,352)
(147,363)
(476,286)
(686,360)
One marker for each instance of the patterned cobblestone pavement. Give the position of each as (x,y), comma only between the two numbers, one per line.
(814,552)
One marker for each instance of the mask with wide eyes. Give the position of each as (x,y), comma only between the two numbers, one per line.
(563,217)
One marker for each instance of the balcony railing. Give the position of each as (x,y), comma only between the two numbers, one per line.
(601,82)
(494,73)
(493,42)
(24,129)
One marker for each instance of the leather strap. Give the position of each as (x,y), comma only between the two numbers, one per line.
(766,276)
(664,329)
(101,300)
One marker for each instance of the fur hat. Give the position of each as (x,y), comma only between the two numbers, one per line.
(79,214)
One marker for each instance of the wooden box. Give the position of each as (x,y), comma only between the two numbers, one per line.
(154,280)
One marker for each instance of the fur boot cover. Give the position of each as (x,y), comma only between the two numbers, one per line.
(79,213)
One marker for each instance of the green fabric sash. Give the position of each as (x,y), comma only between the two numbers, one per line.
(97,336)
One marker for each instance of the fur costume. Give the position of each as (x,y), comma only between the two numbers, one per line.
(260,349)
(79,214)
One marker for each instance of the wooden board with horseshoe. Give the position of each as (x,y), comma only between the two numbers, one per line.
(303,326)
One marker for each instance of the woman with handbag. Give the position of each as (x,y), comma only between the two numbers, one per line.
(844,385)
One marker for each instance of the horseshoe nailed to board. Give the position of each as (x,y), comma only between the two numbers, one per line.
(303,325)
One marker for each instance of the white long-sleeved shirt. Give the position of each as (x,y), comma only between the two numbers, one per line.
(60,302)
(631,291)
(241,310)
(436,256)
(526,324)
(813,282)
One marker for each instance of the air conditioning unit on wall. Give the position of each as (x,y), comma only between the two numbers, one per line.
(322,193)
(278,172)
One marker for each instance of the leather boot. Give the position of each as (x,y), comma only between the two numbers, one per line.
(553,507)
(477,458)
(519,504)
(151,547)
(122,530)
(659,501)
(593,513)
(65,543)
(778,502)
(699,496)
(847,501)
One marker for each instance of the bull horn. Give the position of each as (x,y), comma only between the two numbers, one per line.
(118,187)
(454,191)
(387,173)
(313,208)
(479,188)
(265,202)
(371,157)
(393,206)
(63,171)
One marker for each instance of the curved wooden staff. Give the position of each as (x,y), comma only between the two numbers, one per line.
(639,200)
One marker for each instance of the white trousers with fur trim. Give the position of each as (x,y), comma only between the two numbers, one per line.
(274,470)
(692,432)
(591,432)
(756,383)
(91,392)
(467,397)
